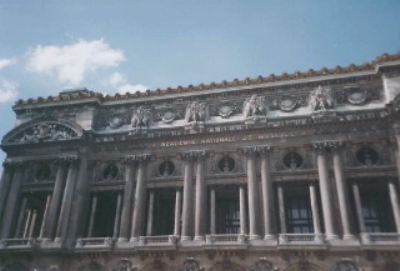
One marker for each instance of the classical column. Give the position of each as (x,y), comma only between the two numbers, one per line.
(360,218)
(18,229)
(200,214)
(140,199)
(32,225)
(341,189)
(323,173)
(281,206)
(314,209)
(177,224)
(126,215)
(267,195)
(92,215)
(252,192)
(5,183)
(395,203)
(27,224)
(80,197)
(242,209)
(187,212)
(150,214)
(397,152)
(117,215)
(65,211)
(55,205)
(45,215)
(213,226)
(11,206)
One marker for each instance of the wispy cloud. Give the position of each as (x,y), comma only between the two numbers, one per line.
(70,63)
(7,62)
(8,90)
(122,85)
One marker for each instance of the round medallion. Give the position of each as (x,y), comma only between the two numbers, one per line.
(116,122)
(367,156)
(226,164)
(225,111)
(168,117)
(357,98)
(293,160)
(110,172)
(167,168)
(287,104)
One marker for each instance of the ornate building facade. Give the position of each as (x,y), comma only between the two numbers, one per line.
(292,172)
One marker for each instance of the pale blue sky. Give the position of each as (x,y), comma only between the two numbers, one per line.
(110,46)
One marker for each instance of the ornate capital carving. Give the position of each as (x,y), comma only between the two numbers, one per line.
(249,151)
(129,159)
(264,150)
(14,164)
(320,146)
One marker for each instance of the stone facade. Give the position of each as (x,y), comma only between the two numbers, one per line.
(292,172)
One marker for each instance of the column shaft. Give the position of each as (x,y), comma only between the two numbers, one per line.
(395,204)
(150,214)
(342,194)
(325,195)
(126,214)
(18,230)
(117,215)
(32,224)
(11,206)
(314,209)
(92,215)
(55,205)
(200,214)
(187,200)
(5,183)
(252,191)
(66,202)
(27,224)
(267,200)
(177,224)
(139,201)
(281,203)
(212,211)
(45,215)
(242,209)
(357,201)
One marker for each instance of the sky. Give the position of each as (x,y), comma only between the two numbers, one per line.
(129,45)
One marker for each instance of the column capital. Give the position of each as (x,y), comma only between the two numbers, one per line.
(249,150)
(14,164)
(264,150)
(320,146)
(129,159)
(193,154)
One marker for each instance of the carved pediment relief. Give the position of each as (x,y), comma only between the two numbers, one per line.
(43,130)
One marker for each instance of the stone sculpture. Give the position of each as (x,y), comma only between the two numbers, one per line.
(255,106)
(195,112)
(322,99)
(140,118)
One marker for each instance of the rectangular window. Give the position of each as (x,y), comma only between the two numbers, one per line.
(377,210)
(164,211)
(298,213)
(104,215)
(228,212)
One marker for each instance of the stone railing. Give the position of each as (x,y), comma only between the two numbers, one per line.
(213,239)
(301,238)
(158,240)
(17,243)
(94,242)
(380,238)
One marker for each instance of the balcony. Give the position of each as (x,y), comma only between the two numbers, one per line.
(157,240)
(301,239)
(94,243)
(17,243)
(380,239)
(226,239)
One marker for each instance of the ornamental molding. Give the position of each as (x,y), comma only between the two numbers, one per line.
(43,129)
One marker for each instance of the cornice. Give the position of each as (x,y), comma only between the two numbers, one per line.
(372,67)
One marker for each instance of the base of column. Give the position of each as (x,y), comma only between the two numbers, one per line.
(122,240)
(199,238)
(349,237)
(254,237)
(134,239)
(268,237)
(186,238)
(331,237)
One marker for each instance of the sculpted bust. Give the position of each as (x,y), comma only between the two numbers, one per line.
(195,112)
(322,99)
(255,106)
(140,118)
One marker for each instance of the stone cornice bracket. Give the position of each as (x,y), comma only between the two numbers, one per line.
(250,150)
(264,150)
(320,146)
(129,159)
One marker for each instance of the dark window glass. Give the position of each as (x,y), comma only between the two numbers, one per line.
(376,210)
(105,214)
(228,216)
(298,213)
(164,212)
